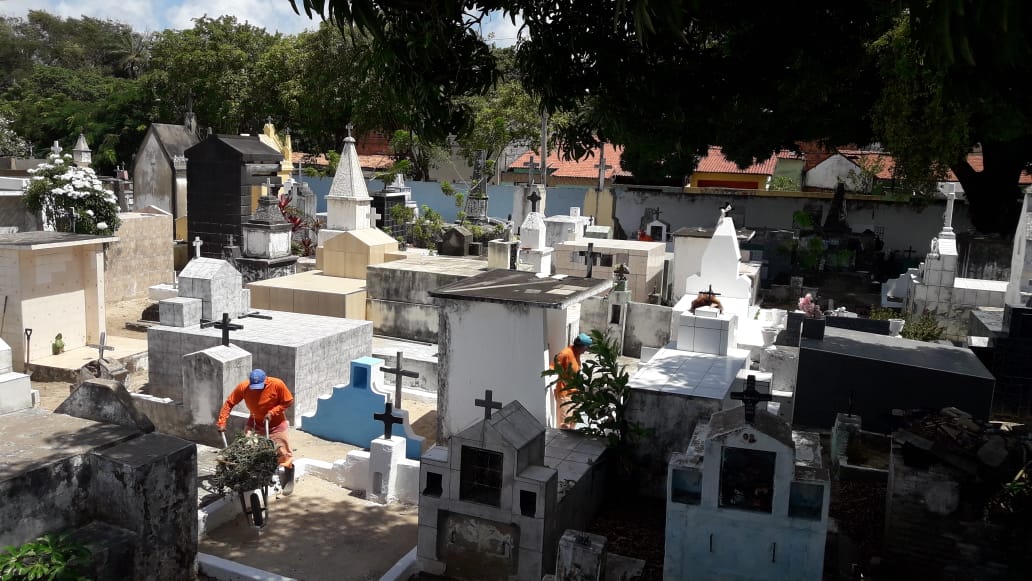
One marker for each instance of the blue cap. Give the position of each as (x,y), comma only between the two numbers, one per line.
(583,339)
(257,378)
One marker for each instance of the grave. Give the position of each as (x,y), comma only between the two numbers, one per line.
(346,413)
(565,228)
(720,269)
(1002,340)
(267,244)
(226,175)
(871,375)
(16,391)
(159,169)
(533,250)
(748,499)
(599,232)
(101,481)
(532,316)
(53,282)
(1019,289)
(455,241)
(491,503)
(521,204)
(395,194)
(400,304)
(690,244)
(348,205)
(218,287)
(644,260)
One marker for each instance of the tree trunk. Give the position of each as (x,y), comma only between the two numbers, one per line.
(993,194)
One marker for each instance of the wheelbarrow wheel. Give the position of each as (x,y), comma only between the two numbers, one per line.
(257,514)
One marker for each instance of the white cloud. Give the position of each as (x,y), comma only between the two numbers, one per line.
(156,15)
(500,28)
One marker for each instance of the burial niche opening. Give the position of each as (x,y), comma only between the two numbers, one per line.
(805,500)
(528,502)
(480,478)
(747,479)
(687,486)
(434,485)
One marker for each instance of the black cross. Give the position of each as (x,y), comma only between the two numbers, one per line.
(909,251)
(750,397)
(226,327)
(656,212)
(488,404)
(398,374)
(589,257)
(709,292)
(102,347)
(534,199)
(389,419)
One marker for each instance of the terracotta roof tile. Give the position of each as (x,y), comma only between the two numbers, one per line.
(715,162)
(582,168)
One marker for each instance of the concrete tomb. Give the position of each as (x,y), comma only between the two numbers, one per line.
(490,504)
(565,228)
(125,493)
(348,204)
(16,391)
(218,286)
(720,270)
(1002,340)
(455,241)
(644,261)
(267,243)
(103,400)
(527,319)
(346,413)
(690,244)
(534,252)
(748,499)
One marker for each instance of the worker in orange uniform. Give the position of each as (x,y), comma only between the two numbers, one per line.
(568,359)
(266,398)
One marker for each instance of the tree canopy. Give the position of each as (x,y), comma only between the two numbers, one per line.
(668,79)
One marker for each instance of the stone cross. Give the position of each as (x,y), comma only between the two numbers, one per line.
(488,404)
(197,246)
(589,257)
(947,221)
(268,120)
(602,167)
(350,126)
(750,397)
(399,372)
(373,217)
(226,327)
(56,148)
(389,419)
(534,198)
(530,165)
(102,347)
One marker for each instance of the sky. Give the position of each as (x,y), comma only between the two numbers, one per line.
(156,15)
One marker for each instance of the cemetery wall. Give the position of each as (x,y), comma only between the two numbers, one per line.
(647,326)
(906,225)
(594,314)
(141,258)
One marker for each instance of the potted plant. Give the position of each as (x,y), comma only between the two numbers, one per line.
(57,347)
(813,318)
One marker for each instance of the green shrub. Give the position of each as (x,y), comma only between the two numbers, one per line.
(48,558)
(924,327)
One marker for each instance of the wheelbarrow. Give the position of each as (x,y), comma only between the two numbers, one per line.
(256,506)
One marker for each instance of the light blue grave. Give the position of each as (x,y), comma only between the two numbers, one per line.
(346,415)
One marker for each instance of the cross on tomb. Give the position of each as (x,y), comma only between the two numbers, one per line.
(534,198)
(589,257)
(530,165)
(398,371)
(102,347)
(350,126)
(909,251)
(268,120)
(389,419)
(709,293)
(750,397)
(374,216)
(56,148)
(225,326)
(488,404)
(602,167)
(197,246)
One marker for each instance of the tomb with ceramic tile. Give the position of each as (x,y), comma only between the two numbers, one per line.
(747,499)
(490,502)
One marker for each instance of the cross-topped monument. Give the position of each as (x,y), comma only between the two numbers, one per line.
(197,243)
(488,404)
(534,198)
(225,326)
(530,165)
(750,397)
(102,347)
(398,371)
(589,257)
(602,167)
(389,419)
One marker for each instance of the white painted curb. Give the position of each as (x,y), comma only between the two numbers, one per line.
(226,570)
(403,569)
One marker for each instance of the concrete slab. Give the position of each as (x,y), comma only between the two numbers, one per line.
(33,438)
(130,352)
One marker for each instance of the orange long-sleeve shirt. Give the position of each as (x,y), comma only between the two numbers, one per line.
(269,402)
(568,360)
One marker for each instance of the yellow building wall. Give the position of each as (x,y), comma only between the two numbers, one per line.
(748,181)
(599,205)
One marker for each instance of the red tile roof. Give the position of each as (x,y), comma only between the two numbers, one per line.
(715,162)
(886,165)
(582,168)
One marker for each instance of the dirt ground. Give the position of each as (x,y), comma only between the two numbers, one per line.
(322,531)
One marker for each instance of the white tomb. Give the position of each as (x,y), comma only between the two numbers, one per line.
(748,499)
(16,391)
(533,250)
(707,331)
(348,204)
(1020,287)
(565,228)
(720,270)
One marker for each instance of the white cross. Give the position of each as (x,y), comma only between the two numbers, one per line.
(373,217)
(56,148)
(197,246)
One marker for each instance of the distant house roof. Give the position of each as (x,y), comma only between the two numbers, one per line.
(580,168)
(368,162)
(715,162)
(174,139)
